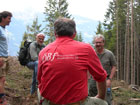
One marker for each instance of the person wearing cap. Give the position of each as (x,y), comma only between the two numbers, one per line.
(63,66)
(5,19)
(34,49)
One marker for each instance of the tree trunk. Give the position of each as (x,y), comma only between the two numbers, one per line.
(132,47)
(127,46)
(117,37)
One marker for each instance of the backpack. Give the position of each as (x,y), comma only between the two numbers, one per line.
(24,56)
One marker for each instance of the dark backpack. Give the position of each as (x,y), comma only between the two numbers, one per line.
(24,56)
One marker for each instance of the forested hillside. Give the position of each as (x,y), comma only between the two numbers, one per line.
(122,33)
(19,82)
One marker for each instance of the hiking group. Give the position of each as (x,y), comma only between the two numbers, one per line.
(60,69)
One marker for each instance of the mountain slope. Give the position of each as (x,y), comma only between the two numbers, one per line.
(86,26)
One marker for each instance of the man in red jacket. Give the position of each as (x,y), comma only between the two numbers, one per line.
(63,66)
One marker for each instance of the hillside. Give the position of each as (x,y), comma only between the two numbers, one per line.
(19,80)
(18,84)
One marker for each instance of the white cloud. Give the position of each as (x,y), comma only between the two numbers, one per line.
(27,17)
(17,45)
(93,9)
(21,5)
(87,35)
(81,21)
(27,9)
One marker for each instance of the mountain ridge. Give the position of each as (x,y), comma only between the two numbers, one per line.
(85,26)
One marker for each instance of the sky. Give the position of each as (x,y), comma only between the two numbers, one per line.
(28,9)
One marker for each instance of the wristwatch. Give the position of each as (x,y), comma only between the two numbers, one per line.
(109,78)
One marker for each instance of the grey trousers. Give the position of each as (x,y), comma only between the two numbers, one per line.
(88,101)
(93,91)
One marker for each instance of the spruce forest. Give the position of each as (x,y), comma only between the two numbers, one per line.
(121,28)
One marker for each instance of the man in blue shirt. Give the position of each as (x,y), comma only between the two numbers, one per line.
(5,19)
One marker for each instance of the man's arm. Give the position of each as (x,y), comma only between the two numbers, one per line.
(113,65)
(101,86)
(98,73)
(33,52)
(113,70)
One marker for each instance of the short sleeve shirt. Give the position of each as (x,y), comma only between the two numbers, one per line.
(3,42)
(107,59)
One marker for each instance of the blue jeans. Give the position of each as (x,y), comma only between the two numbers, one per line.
(34,66)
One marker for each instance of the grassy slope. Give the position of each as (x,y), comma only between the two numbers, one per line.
(19,81)
(123,94)
(18,85)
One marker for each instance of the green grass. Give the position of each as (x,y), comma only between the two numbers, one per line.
(123,94)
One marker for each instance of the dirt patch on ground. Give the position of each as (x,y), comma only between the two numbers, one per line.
(19,81)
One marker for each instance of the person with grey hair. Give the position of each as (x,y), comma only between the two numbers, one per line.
(108,62)
(34,49)
(99,36)
(5,19)
(63,67)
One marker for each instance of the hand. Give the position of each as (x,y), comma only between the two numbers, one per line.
(1,62)
(108,83)
(97,96)
(99,101)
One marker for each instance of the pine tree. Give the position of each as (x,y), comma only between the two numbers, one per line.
(115,27)
(32,31)
(121,19)
(136,9)
(110,27)
(78,37)
(53,10)
(99,28)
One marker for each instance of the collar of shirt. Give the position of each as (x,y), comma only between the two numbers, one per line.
(63,39)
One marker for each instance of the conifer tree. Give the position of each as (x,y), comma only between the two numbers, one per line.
(99,28)
(121,19)
(32,31)
(78,37)
(53,10)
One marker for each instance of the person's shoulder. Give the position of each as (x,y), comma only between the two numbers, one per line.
(48,46)
(80,43)
(43,45)
(32,44)
(83,44)
(1,29)
(109,52)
